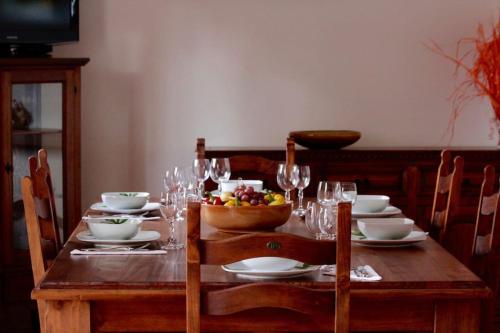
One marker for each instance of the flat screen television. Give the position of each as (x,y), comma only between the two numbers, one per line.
(37,24)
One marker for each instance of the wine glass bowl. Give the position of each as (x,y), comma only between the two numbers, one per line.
(169,181)
(349,192)
(220,171)
(287,178)
(201,170)
(329,192)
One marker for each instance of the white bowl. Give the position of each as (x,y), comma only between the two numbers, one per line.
(386,228)
(270,263)
(370,203)
(108,228)
(125,200)
(230,185)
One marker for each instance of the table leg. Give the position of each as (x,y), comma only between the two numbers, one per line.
(457,316)
(66,316)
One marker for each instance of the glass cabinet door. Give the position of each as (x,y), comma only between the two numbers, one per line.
(37,122)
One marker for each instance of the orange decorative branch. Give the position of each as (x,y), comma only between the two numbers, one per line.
(483,76)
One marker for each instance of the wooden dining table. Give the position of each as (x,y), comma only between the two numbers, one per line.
(423,288)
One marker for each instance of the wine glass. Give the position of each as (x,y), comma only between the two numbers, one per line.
(287,178)
(349,192)
(168,209)
(201,169)
(220,170)
(169,181)
(304,178)
(329,192)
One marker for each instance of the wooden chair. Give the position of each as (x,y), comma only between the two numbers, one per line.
(446,194)
(254,167)
(41,221)
(305,303)
(43,189)
(484,254)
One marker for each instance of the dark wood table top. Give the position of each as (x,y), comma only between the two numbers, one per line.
(425,266)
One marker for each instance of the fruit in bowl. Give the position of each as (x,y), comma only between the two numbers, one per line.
(245,210)
(245,196)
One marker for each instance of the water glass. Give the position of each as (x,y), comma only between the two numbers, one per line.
(220,171)
(201,170)
(329,192)
(311,219)
(303,181)
(169,205)
(349,192)
(327,221)
(287,178)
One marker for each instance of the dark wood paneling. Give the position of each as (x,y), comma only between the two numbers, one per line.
(407,175)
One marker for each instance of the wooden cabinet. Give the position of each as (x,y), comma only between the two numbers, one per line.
(407,175)
(39,107)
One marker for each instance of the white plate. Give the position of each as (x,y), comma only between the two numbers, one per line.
(142,237)
(412,238)
(241,269)
(388,211)
(101,207)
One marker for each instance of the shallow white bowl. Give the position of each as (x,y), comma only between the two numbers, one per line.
(230,185)
(125,200)
(386,228)
(104,229)
(270,263)
(370,203)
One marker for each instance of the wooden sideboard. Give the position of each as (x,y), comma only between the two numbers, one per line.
(407,175)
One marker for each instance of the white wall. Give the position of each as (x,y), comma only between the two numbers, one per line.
(245,73)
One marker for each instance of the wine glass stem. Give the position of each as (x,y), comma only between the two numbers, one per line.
(287,195)
(200,190)
(301,198)
(219,187)
(172,239)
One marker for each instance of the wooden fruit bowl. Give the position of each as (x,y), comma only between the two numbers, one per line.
(245,219)
(325,139)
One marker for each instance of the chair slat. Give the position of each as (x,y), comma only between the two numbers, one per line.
(225,251)
(267,295)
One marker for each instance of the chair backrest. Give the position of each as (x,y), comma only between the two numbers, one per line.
(483,256)
(267,294)
(446,193)
(254,167)
(40,223)
(37,213)
(486,242)
(44,192)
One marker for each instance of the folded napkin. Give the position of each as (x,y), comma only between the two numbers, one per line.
(363,273)
(116,252)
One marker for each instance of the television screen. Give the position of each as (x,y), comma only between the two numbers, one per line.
(38,21)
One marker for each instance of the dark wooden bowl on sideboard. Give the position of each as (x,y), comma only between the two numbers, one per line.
(325,139)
